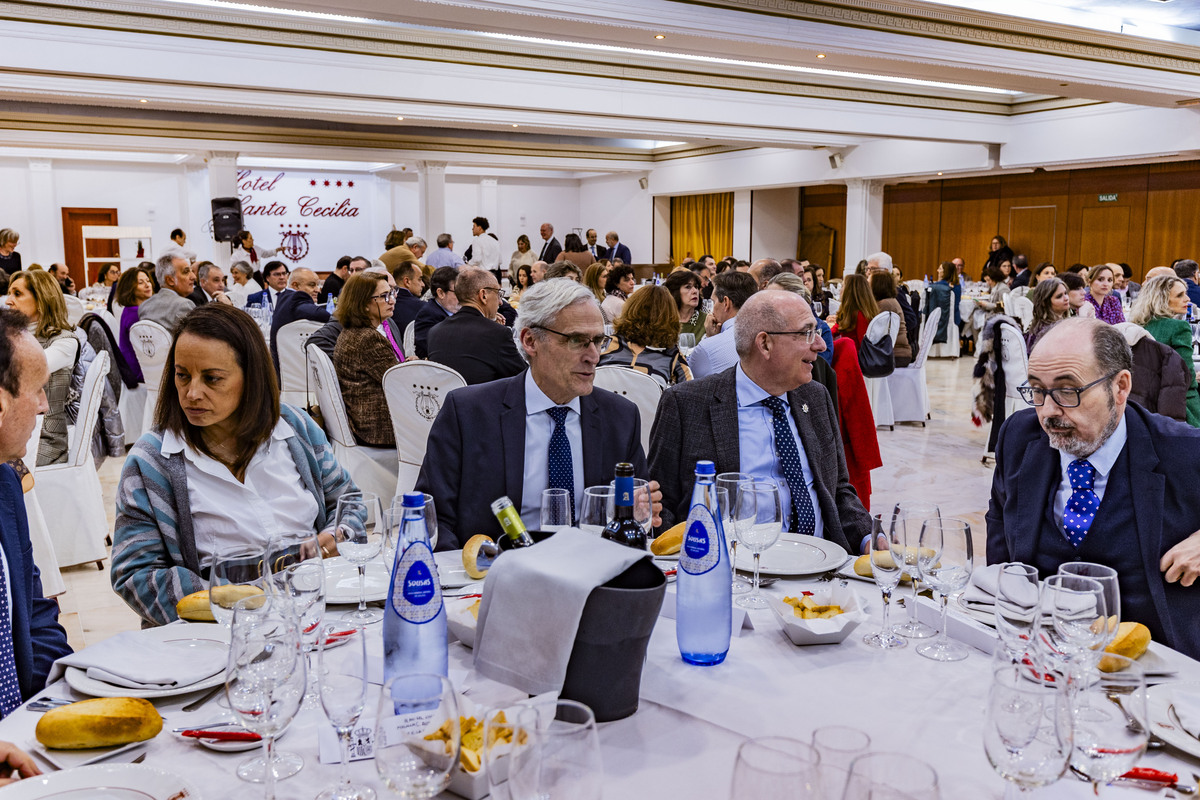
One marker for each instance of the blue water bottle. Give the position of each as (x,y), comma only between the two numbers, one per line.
(704,595)
(414,623)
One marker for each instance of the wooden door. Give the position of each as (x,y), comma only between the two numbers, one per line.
(1031,231)
(73,221)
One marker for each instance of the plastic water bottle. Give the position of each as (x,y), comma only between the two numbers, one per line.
(703,592)
(330,304)
(414,623)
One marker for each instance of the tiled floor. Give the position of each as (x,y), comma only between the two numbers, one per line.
(939,462)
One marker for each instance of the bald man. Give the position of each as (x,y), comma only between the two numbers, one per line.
(301,303)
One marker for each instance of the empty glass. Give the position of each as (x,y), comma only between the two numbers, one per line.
(417,735)
(890,776)
(910,516)
(1027,732)
(556,509)
(556,753)
(758,517)
(237,572)
(838,746)
(1075,608)
(945,560)
(358,530)
(1017,597)
(1107,578)
(887,562)
(1111,737)
(778,768)
(297,572)
(687,343)
(343,689)
(594,510)
(727,482)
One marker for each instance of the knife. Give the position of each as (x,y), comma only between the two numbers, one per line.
(223,736)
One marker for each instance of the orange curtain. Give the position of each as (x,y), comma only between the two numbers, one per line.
(701,224)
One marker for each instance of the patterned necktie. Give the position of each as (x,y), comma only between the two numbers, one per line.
(803,520)
(1083,503)
(10,685)
(561,466)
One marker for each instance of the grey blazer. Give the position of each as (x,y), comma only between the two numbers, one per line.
(709,407)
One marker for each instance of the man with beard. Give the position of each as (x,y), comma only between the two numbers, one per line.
(1088,476)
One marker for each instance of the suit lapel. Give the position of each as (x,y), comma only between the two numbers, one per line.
(512,437)
(591,426)
(10,540)
(1039,465)
(723,414)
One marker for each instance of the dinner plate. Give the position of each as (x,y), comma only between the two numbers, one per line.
(192,636)
(104,782)
(341,581)
(794,554)
(451,572)
(1162,724)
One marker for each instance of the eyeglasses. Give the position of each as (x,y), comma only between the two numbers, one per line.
(386,296)
(579,341)
(491,289)
(1064,397)
(810,333)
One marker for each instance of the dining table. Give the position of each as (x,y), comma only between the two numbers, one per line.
(683,739)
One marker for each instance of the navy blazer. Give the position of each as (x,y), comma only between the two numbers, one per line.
(431,314)
(475,455)
(1165,473)
(260,298)
(621,252)
(38,639)
(407,307)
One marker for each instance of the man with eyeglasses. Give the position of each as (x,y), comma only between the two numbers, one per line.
(1087,476)
(544,428)
(475,341)
(765,417)
(275,275)
(298,304)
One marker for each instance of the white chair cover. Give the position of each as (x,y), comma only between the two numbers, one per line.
(415,392)
(885,325)
(372,468)
(293,367)
(75,309)
(69,493)
(639,387)
(1019,308)
(834,305)
(151,342)
(1016,368)
(910,395)
(39,534)
(409,341)
(132,406)
(1020,291)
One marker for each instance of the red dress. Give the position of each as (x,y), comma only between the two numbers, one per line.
(856,335)
(855,418)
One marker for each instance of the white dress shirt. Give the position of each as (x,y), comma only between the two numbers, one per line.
(240,291)
(714,353)
(1102,461)
(225,512)
(756,446)
(485,252)
(538,428)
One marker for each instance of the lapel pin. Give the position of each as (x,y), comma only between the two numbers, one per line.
(804,408)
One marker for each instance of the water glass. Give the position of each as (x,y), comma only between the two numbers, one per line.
(945,558)
(887,565)
(706,306)
(910,516)
(1107,578)
(1078,616)
(343,689)
(838,746)
(1017,608)
(297,572)
(758,517)
(556,509)
(595,508)
(727,482)
(358,531)
(778,768)
(417,735)
(890,776)
(1111,737)
(687,343)
(556,753)
(237,572)
(1027,731)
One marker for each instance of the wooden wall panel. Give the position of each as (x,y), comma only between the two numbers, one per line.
(970,217)
(1105,230)
(912,226)
(1032,230)
(1033,214)
(1172,220)
(825,205)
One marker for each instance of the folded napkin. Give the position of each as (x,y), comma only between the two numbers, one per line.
(1187,707)
(985,585)
(137,661)
(533,600)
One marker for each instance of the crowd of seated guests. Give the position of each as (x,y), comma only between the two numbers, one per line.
(647,337)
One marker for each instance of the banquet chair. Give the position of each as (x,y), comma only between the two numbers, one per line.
(69,493)
(910,394)
(885,325)
(408,342)
(293,370)
(75,309)
(132,406)
(1015,360)
(151,342)
(915,286)
(1019,291)
(372,468)
(639,387)
(39,534)
(834,305)
(949,348)
(415,392)
(1019,308)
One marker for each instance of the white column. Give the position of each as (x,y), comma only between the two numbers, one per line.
(743,205)
(431,191)
(222,182)
(197,217)
(45,219)
(662,230)
(864,220)
(489,200)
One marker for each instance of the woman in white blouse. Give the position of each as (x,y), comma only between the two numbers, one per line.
(247,250)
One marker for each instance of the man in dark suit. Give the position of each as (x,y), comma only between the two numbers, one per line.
(1087,476)
(475,341)
(1020,265)
(334,283)
(408,294)
(550,246)
(545,428)
(594,249)
(31,638)
(275,275)
(441,305)
(616,249)
(1187,269)
(764,416)
(211,285)
(300,303)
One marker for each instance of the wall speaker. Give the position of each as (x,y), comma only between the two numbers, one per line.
(836,160)
(643,182)
(226,218)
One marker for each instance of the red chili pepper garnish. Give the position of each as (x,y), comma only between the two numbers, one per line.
(1148,774)
(807,594)
(1117,751)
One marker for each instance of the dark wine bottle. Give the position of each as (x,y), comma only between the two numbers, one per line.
(623,528)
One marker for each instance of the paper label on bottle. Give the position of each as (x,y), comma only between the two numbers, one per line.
(701,551)
(416,591)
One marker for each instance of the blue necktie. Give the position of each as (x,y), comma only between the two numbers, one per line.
(1083,502)
(803,520)
(10,685)
(561,466)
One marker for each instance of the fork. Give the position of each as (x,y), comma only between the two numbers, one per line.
(1132,723)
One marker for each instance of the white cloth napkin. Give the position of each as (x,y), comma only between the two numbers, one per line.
(985,585)
(137,661)
(533,600)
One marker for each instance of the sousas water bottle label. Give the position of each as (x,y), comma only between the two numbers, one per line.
(416,592)
(700,550)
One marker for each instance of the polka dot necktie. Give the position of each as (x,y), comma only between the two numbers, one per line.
(1083,503)
(803,520)
(10,686)
(561,466)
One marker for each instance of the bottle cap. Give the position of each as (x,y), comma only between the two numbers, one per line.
(705,468)
(414,500)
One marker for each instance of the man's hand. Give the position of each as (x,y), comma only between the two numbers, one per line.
(1182,562)
(221,297)
(711,326)
(16,764)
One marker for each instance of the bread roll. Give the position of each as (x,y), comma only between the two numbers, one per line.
(471,553)
(1131,641)
(102,722)
(670,542)
(862,566)
(195,606)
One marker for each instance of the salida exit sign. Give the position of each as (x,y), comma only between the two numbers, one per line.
(1108,198)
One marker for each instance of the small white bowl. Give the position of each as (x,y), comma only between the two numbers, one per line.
(460,620)
(821,631)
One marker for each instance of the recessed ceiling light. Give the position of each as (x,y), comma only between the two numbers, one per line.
(939,173)
(400,118)
(515,125)
(660,36)
(143,101)
(820,55)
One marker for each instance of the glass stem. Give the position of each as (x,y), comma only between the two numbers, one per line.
(269,766)
(916,591)
(344,741)
(887,608)
(944,599)
(362,587)
(756,555)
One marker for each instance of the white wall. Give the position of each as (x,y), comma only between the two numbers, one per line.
(775,226)
(618,203)
(513,206)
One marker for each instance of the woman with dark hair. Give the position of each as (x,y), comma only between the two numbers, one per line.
(109,275)
(1100,295)
(857,309)
(575,251)
(883,287)
(813,281)
(999,251)
(617,287)
(132,290)
(362,354)
(1043,271)
(522,256)
(524,279)
(1077,295)
(997,288)
(247,250)
(1051,303)
(684,287)
(224,465)
(647,337)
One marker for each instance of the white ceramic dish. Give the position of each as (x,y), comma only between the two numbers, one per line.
(821,631)
(341,581)
(461,621)
(73,759)
(229,747)
(794,554)
(192,636)
(104,782)
(1163,723)
(451,572)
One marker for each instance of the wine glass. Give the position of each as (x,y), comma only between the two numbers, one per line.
(838,746)
(1017,608)
(1078,616)
(237,572)
(887,562)
(778,768)
(910,515)
(297,572)
(343,689)
(727,482)
(594,510)
(945,558)
(1112,736)
(890,776)
(417,735)
(758,516)
(560,754)
(265,682)
(357,530)
(687,343)
(1027,731)
(556,509)
(1107,578)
